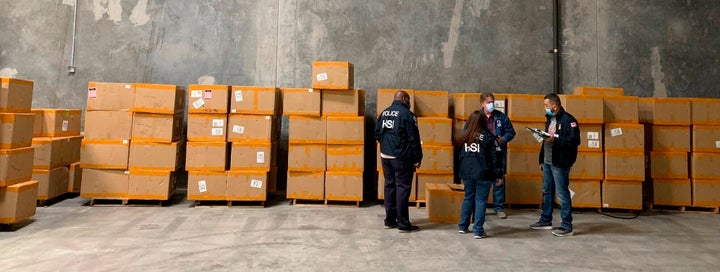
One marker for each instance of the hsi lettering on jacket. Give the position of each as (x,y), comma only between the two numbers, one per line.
(473,147)
(389,124)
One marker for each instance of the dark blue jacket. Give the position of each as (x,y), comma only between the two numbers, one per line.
(397,132)
(565,146)
(503,128)
(481,160)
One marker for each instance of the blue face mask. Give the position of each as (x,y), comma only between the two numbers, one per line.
(490,107)
(549,112)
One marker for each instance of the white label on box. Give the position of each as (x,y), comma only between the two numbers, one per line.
(218,122)
(310,90)
(605,205)
(202,186)
(717,144)
(217,131)
(256,183)
(126,172)
(128,86)
(233,111)
(616,132)
(126,142)
(238,96)
(92,93)
(238,129)
(260,157)
(322,76)
(199,103)
(593,135)
(196,93)
(500,104)
(593,144)
(537,137)
(572,193)
(267,117)
(208,94)
(65,125)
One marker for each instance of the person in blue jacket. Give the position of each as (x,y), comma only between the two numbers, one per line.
(480,168)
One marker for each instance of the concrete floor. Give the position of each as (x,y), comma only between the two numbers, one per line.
(69,236)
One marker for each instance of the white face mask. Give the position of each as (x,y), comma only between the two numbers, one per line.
(490,107)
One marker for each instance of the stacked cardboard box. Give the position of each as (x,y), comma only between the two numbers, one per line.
(705,156)
(18,193)
(57,143)
(523,180)
(385,98)
(307,144)
(344,111)
(436,128)
(253,131)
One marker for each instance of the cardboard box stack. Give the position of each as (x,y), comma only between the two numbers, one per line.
(253,131)
(705,156)
(134,141)
(523,180)
(344,113)
(57,143)
(385,98)
(18,193)
(307,144)
(436,128)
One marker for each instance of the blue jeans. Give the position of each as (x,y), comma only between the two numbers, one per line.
(476,195)
(556,181)
(499,191)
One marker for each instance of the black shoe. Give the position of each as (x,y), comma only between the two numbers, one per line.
(541,226)
(409,229)
(390,226)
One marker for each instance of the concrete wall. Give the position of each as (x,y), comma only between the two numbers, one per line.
(650,48)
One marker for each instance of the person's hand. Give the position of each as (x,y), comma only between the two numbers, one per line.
(417,164)
(549,139)
(541,167)
(500,140)
(499,182)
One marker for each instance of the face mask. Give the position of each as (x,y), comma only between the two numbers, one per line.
(490,107)
(548,112)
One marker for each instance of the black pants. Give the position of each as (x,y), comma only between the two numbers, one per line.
(398,184)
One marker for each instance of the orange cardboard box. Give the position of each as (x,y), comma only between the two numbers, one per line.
(15,95)
(664,111)
(108,125)
(345,158)
(443,203)
(345,130)
(624,137)
(252,128)
(706,193)
(307,157)
(523,189)
(159,98)
(703,111)
(56,152)
(306,185)
(252,156)
(16,165)
(588,166)
(523,162)
(431,103)
(254,100)
(307,130)
(621,109)
(60,122)
(344,186)
(161,128)
(706,139)
(669,165)
(207,185)
(424,179)
(104,184)
(16,130)
(624,166)
(587,109)
(466,103)
(673,192)
(248,185)
(385,98)
(437,160)
(586,193)
(343,103)
(156,156)
(526,107)
(207,156)
(591,137)
(151,184)
(51,183)
(75,178)
(667,138)
(333,75)
(622,194)
(208,98)
(435,130)
(301,102)
(109,96)
(704,165)
(207,127)
(105,154)
(17,202)
(524,139)
(593,90)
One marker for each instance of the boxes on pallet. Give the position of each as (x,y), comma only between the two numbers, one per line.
(424,179)
(159,98)
(585,193)
(207,185)
(624,165)
(252,128)
(15,95)
(60,122)
(668,165)
(345,158)
(156,156)
(207,156)
(107,96)
(307,130)
(523,189)
(104,183)
(248,185)
(589,165)
(524,107)
(343,103)
(17,202)
(301,102)
(593,90)
(523,162)
(664,111)
(443,203)
(672,192)
(587,109)
(306,185)
(75,179)
(385,98)
(151,184)
(104,154)
(206,127)
(704,165)
(703,111)
(465,103)
(344,186)
(620,109)
(55,152)
(208,98)
(622,194)
(108,125)
(16,165)
(307,157)
(706,192)
(624,137)
(705,139)
(431,103)
(254,100)
(333,75)
(525,139)
(252,156)
(667,138)
(381,187)
(16,130)
(51,183)
(345,130)
(437,160)
(435,130)
(161,128)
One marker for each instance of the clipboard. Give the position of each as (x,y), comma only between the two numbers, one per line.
(539,132)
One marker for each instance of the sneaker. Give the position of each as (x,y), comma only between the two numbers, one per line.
(501,214)
(463,231)
(541,226)
(410,229)
(390,226)
(563,232)
(479,236)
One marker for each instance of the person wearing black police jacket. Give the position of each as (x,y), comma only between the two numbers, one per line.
(557,155)
(397,132)
(481,167)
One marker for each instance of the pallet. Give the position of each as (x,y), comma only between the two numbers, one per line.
(326,203)
(227,204)
(124,202)
(342,203)
(418,204)
(55,200)
(684,209)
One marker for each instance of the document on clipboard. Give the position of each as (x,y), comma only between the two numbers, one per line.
(539,134)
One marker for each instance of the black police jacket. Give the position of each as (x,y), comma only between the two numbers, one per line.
(397,132)
(482,159)
(565,145)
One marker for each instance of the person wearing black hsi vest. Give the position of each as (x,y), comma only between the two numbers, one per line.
(481,166)
(397,132)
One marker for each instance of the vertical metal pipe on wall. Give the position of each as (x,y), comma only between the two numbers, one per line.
(556,46)
(71,68)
